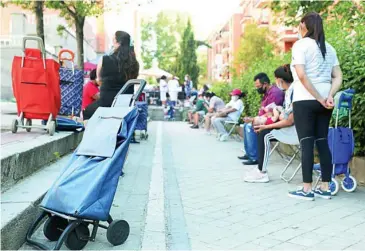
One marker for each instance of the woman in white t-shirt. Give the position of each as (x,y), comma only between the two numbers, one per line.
(317,77)
(163,89)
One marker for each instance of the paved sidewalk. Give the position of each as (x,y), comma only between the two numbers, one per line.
(183,190)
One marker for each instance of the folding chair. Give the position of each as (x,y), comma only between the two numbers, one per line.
(232,124)
(292,143)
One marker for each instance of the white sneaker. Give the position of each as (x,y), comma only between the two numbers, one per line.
(208,133)
(257,177)
(223,138)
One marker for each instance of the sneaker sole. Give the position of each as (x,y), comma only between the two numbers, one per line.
(300,197)
(256,181)
(322,196)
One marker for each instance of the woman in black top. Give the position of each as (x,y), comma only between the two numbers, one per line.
(113,71)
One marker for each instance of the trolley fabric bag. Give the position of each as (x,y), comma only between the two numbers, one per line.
(72,81)
(35,81)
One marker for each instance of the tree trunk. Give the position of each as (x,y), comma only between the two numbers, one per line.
(38,10)
(79,22)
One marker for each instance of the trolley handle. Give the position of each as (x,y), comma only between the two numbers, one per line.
(142,83)
(71,59)
(41,45)
(345,100)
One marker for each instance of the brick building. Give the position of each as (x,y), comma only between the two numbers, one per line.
(225,41)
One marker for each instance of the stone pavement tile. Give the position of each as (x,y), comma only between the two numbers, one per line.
(286,234)
(153,240)
(200,245)
(266,242)
(334,243)
(356,229)
(248,246)
(308,239)
(357,246)
(288,246)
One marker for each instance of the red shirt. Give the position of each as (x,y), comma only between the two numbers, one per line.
(90,89)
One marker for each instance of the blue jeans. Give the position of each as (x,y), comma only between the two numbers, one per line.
(250,141)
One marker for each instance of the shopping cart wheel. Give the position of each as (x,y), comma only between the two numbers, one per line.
(51,128)
(146,136)
(142,136)
(349,184)
(334,186)
(53,227)
(28,122)
(78,238)
(118,232)
(14,126)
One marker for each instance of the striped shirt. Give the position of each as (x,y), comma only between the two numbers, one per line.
(319,70)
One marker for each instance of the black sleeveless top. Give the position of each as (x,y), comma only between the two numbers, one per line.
(112,81)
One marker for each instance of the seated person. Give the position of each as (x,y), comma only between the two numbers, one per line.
(197,112)
(271,94)
(214,104)
(169,108)
(231,112)
(90,91)
(284,128)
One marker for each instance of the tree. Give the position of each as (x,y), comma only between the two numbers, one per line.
(187,61)
(75,13)
(37,8)
(254,45)
(166,39)
(203,66)
(146,36)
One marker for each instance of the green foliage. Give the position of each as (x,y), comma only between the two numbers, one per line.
(187,61)
(222,90)
(167,45)
(254,45)
(203,66)
(60,30)
(345,31)
(246,83)
(146,37)
(351,53)
(75,13)
(294,9)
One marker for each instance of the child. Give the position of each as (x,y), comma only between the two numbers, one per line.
(169,110)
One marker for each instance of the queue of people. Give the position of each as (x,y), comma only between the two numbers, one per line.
(296,108)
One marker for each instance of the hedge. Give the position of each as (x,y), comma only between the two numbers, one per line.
(351,54)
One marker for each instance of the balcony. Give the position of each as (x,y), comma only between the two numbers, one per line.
(288,35)
(246,19)
(226,49)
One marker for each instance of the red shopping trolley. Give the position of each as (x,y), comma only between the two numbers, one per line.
(36,88)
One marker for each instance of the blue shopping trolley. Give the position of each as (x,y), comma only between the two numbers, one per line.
(82,196)
(342,144)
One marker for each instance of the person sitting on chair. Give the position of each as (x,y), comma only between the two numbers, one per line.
(271,94)
(231,112)
(199,111)
(284,79)
(214,104)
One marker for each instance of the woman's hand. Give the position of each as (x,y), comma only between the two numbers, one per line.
(329,102)
(323,102)
(260,128)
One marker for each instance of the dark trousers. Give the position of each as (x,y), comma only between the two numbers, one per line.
(312,121)
(261,148)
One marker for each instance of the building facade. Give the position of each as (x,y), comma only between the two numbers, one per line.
(225,41)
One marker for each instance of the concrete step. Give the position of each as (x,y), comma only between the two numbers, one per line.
(24,153)
(156,113)
(19,204)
